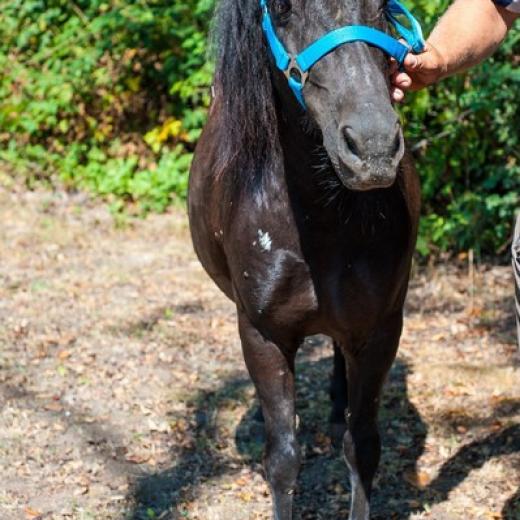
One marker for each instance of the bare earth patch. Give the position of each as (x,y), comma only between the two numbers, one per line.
(123,392)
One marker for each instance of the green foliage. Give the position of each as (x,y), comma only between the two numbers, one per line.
(107,95)
(111,95)
(466,135)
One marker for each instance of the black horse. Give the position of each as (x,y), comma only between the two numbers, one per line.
(307,220)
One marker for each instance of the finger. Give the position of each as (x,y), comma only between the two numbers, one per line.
(402,80)
(397,95)
(394,67)
(411,62)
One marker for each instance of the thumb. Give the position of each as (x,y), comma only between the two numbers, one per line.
(411,62)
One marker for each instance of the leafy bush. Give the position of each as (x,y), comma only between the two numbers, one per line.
(466,139)
(111,95)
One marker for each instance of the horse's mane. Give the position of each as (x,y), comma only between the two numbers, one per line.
(248,139)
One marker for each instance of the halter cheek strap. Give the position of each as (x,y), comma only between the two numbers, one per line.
(296,68)
(412,35)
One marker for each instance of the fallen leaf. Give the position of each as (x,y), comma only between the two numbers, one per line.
(241,481)
(53,407)
(137,459)
(496,426)
(418,479)
(83,490)
(31,513)
(246,496)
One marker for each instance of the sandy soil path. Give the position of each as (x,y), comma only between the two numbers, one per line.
(123,392)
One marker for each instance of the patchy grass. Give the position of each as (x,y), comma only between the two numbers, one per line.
(124,393)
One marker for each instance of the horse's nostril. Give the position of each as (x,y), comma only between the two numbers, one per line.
(351,143)
(396,147)
(369,143)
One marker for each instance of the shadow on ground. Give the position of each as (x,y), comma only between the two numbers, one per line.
(323,482)
(498,319)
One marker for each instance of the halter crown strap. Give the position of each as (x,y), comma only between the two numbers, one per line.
(296,68)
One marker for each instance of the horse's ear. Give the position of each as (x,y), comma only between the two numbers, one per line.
(249,139)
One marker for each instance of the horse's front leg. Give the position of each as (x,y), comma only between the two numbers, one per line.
(367,368)
(272,371)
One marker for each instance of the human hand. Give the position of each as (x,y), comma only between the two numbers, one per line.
(420,70)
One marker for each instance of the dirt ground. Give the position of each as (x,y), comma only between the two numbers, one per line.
(123,393)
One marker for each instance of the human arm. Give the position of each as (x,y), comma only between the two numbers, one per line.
(469,32)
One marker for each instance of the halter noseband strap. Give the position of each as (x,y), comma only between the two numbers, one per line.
(296,68)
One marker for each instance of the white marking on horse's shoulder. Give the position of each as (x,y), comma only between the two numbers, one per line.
(265,240)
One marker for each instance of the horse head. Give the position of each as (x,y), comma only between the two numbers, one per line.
(346,90)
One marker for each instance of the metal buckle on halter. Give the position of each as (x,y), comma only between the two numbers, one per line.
(294,72)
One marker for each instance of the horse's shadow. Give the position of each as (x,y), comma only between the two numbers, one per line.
(323,490)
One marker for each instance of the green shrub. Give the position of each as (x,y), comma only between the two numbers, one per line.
(111,96)
(107,95)
(466,135)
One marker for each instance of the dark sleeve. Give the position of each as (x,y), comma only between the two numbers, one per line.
(510,5)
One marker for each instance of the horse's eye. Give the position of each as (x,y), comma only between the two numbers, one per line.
(282,7)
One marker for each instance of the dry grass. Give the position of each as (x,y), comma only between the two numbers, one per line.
(124,394)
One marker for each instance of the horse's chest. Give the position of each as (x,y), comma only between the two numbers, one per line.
(313,278)
(357,281)
(283,291)
(355,292)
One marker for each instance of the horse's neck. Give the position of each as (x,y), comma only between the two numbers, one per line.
(302,157)
(315,189)
(307,170)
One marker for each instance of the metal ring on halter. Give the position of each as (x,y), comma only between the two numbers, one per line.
(293,67)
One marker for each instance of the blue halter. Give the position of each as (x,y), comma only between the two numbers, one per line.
(296,68)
